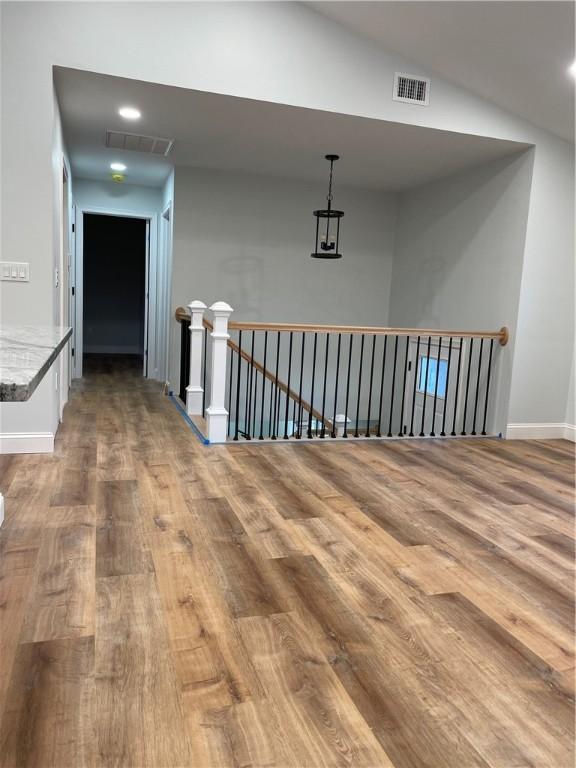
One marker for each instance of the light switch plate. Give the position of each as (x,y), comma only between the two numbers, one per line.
(15,271)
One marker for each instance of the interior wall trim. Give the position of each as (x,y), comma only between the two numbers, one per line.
(26,442)
(538,431)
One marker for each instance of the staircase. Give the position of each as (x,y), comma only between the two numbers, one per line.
(294,381)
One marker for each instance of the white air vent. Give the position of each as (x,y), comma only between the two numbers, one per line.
(411,89)
(152,145)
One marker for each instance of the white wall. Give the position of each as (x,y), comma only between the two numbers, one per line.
(30,426)
(247,240)
(545,331)
(267,51)
(127,198)
(570,416)
(458,258)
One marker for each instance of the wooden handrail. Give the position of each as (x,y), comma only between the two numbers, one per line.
(502,335)
(183,316)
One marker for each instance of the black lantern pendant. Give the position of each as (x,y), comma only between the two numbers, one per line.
(328,240)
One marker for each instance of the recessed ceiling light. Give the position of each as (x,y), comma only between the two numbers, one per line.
(118,166)
(572,69)
(129,113)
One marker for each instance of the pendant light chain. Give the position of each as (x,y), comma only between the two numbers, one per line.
(329,198)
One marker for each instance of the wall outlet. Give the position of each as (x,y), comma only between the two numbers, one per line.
(15,271)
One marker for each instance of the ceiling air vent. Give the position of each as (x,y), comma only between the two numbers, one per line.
(152,145)
(412,90)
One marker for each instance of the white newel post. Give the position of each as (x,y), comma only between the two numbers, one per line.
(216,413)
(194,391)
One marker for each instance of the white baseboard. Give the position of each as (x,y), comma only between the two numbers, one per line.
(27,442)
(558,431)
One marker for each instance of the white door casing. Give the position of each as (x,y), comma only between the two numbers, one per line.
(153,306)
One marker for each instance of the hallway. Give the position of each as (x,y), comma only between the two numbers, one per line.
(170,604)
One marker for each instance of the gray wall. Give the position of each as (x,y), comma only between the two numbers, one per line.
(459,251)
(570,417)
(247,240)
(543,356)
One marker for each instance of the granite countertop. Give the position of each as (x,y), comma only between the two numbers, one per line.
(26,353)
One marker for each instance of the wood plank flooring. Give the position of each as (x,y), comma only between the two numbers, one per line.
(162,604)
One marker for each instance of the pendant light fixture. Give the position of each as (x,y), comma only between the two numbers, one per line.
(327,241)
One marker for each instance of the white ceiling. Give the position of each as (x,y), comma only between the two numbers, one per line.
(228,133)
(515,54)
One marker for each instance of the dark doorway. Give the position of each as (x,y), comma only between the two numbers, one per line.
(115,256)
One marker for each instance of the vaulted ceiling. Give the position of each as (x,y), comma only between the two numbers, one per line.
(515,54)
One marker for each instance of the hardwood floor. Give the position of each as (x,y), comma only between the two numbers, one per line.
(168,604)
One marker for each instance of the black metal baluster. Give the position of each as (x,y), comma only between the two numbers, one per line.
(425,387)
(299,432)
(453,433)
(487,386)
(238,385)
(288,387)
(273,422)
(312,387)
(333,433)
(370,387)
(415,385)
(261,435)
(345,433)
(255,401)
(432,433)
(467,387)
(378,428)
(401,431)
(184,358)
(446,391)
(270,409)
(248,398)
(323,428)
(359,384)
(231,356)
(393,386)
(279,411)
(477,386)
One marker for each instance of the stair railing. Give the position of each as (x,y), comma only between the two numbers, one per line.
(271,381)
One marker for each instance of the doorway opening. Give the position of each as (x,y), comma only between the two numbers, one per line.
(115,290)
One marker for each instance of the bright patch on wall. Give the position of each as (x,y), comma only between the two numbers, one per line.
(130,113)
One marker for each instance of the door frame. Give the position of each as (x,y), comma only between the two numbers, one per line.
(63,279)
(165,290)
(152,305)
